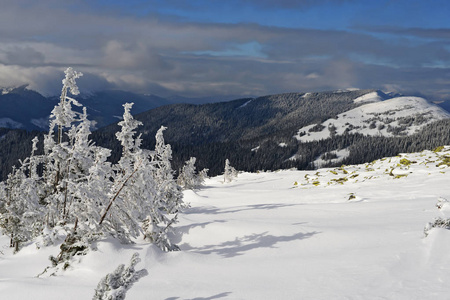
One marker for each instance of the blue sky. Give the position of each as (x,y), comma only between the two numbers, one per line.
(206,48)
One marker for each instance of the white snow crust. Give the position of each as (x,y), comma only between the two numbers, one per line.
(354,232)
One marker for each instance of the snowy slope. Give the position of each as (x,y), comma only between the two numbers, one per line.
(396,116)
(369,97)
(355,232)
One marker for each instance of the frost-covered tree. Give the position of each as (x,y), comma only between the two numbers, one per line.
(144,195)
(167,188)
(59,154)
(229,172)
(63,113)
(88,179)
(122,215)
(78,191)
(188,177)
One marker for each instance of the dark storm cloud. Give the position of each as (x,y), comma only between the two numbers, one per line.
(157,54)
(23,56)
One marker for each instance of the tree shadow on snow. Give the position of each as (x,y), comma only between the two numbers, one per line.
(246,243)
(216,210)
(178,233)
(221,295)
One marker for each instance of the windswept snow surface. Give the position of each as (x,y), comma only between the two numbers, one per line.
(355,232)
(385,118)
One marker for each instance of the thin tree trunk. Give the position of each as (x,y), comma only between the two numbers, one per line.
(63,99)
(117,194)
(75,226)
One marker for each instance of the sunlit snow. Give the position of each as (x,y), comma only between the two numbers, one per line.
(353,232)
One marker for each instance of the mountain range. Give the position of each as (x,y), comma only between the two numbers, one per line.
(291,130)
(22,108)
(268,133)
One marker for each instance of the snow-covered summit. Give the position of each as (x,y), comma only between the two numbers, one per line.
(12,89)
(392,117)
(369,97)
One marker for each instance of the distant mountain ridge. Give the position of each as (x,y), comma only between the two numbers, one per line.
(21,108)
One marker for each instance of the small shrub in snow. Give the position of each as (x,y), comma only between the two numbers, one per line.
(445,161)
(438,149)
(406,162)
(441,203)
(340,180)
(115,285)
(438,222)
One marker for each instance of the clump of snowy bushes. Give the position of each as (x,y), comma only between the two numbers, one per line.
(74,188)
(440,222)
(188,177)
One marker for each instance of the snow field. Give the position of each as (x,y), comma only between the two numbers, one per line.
(324,234)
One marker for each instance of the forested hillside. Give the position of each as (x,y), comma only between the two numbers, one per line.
(255,133)
(244,118)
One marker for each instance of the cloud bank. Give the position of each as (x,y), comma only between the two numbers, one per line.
(159,50)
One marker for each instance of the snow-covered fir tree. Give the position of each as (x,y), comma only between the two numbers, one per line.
(188,177)
(229,172)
